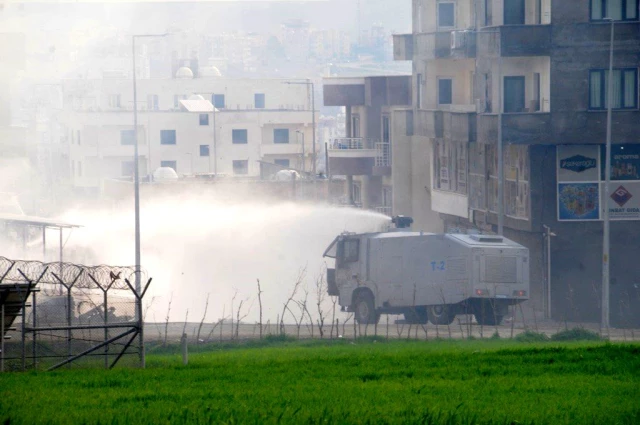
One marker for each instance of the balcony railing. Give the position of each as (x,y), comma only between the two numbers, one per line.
(383,154)
(352,143)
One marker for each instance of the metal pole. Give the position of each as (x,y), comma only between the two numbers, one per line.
(44,244)
(2,339)
(24,325)
(136,190)
(35,333)
(61,263)
(304,168)
(313,125)
(605,233)
(500,143)
(548,299)
(106,329)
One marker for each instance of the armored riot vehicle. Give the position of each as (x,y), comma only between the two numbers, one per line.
(427,277)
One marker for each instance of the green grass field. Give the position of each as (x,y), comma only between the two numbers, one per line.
(467,382)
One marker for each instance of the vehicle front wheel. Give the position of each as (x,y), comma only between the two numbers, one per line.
(365,312)
(441,314)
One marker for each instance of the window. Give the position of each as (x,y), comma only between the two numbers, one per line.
(127,168)
(167,137)
(488,13)
(204,150)
(152,102)
(619,10)
(170,164)
(239,136)
(177,98)
(127,137)
(204,119)
(282,162)
(450,166)
(114,100)
(446,15)
(218,101)
(386,129)
(419,86)
(351,250)
(625,88)
(445,91)
(514,12)
(259,101)
(355,126)
(513,94)
(240,167)
(281,135)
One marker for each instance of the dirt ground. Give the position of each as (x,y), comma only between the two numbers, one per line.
(462,327)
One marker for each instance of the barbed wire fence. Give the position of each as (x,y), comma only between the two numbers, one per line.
(64,314)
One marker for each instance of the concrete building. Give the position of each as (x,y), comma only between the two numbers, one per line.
(540,68)
(375,155)
(255,120)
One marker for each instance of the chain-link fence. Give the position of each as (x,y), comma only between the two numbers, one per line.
(62,314)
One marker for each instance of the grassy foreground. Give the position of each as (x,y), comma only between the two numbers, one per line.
(467,382)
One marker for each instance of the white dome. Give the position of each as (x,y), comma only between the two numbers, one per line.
(210,71)
(184,72)
(165,174)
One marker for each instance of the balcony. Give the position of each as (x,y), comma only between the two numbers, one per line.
(382,166)
(352,156)
(281,149)
(403,47)
(514,41)
(517,128)
(445,45)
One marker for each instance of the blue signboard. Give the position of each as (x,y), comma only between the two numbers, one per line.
(625,162)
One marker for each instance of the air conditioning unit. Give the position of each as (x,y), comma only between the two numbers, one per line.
(458,40)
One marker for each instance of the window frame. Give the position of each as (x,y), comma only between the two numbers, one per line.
(439,79)
(133,137)
(445,2)
(238,161)
(162,139)
(603,88)
(624,11)
(263,102)
(239,141)
(205,121)
(518,78)
(203,149)
(215,98)
(281,131)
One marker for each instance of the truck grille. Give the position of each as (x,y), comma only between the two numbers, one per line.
(500,269)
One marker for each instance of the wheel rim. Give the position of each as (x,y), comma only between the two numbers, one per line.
(363,310)
(438,310)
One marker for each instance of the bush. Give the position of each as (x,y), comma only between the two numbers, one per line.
(530,336)
(576,334)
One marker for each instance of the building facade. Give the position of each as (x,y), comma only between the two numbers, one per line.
(532,75)
(254,121)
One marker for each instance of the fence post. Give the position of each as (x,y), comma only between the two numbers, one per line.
(185,351)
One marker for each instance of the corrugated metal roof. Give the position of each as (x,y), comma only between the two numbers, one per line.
(31,220)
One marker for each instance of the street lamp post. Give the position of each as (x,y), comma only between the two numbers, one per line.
(136,191)
(304,168)
(607,180)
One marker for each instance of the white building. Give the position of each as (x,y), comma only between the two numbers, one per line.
(255,120)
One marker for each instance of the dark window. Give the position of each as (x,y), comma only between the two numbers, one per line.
(127,137)
(218,101)
(446,15)
(513,94)
(619,10)
(127,168)
(281,135)
(625,88)
(386,129)
(170,164)
(167,137)
(514,12)
(351,250)
(281,162)
(445,91)
(419,91)
(488,14)
(204,150)
(259,101)
(239,136)
(204,119)
(240,167)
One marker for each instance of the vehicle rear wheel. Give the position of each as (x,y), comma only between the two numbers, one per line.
(365,312)
(416,315)
(441,314)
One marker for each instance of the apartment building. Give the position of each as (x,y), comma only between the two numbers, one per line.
(254,121)
(532,75)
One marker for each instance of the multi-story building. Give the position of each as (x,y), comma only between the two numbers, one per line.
(532,76)
(254,121)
